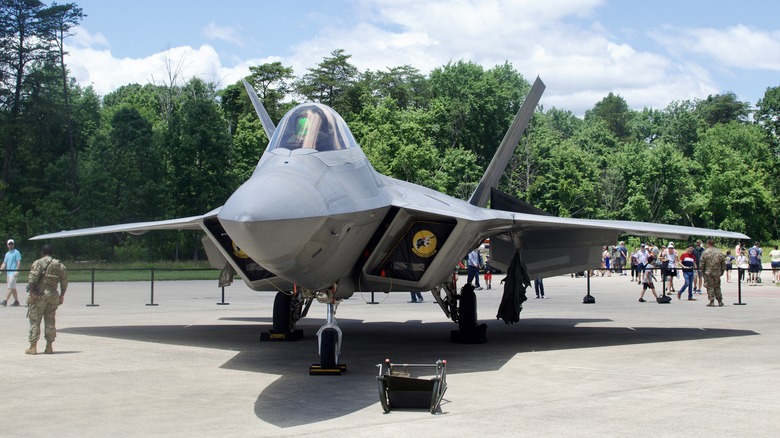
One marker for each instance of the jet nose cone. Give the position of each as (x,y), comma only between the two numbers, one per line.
(272,218)
(271,198)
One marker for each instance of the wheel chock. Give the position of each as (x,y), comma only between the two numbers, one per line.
(317,370)
(281,336)
(475,335)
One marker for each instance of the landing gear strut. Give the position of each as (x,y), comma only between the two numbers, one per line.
(329,337)
(463,310)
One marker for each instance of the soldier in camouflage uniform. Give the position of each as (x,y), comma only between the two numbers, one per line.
(45,274)
(712,265)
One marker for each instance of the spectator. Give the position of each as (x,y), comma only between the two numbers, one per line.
(754,264)
(622,256)
(670,265)
(539,287)
(642,257)
(729,265)
(688,263)
(742,266)
(473,265)
(775,255)
(647,280)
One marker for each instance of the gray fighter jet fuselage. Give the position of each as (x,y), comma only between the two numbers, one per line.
(315,220)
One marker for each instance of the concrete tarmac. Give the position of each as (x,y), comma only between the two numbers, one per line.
(190,367)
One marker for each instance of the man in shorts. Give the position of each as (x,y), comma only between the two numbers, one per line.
(754,264)
(11,264)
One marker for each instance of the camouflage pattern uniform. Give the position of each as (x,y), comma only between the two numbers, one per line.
(49,271)
(713,265)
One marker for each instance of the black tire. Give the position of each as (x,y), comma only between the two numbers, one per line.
(282,320)
(328,348)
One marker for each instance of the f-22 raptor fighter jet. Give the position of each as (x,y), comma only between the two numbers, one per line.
(315,221)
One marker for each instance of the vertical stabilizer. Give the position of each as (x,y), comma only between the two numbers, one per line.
(265,119)
(508,145)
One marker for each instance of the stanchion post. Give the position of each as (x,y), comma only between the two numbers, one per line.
(223,303)
(588,299)
(739,289)
(92,302)
(152,299)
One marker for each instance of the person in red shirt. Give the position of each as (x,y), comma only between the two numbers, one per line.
(688,263)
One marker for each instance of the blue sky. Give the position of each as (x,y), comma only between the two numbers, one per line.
(650,53)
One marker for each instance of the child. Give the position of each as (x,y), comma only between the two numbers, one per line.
(742,266)
(647,279)
(488,273)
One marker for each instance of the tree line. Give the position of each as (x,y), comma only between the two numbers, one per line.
(173,148)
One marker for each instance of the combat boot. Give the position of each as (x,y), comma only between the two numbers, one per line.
(33,348)
(48,349)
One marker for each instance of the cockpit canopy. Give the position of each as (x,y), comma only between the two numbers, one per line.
(312,126)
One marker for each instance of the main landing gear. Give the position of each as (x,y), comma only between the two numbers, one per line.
(462,309)
(289,308)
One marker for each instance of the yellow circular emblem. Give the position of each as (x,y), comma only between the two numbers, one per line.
(424,244)
(238,252)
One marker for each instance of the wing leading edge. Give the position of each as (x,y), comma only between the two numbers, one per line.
(135,228)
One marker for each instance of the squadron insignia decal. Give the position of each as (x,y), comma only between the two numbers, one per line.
(238,252)
(424,244)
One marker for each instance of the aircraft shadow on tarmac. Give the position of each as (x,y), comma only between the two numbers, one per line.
(367,344)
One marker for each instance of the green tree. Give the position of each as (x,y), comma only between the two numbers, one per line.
(249,142)
(23,41)
(563,121)
(735,192)
(614,111)
(722,108)
(567,184)
(124,170)
(767,115)
(330,82)
(683,126)
(272,82)
(659,191)
(473,108)
(62,18)
(405,85)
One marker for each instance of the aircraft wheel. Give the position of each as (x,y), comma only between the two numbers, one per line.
(282,321)
(328,340)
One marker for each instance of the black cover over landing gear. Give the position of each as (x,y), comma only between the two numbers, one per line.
(288,309)
(329,337)
(469,332)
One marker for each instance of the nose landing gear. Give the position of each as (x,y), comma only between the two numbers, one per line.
(329,340)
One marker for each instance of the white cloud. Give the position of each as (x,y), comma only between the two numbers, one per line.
(106,73)
(84,38)
(580,65)
(738,46)
(579,58)
(213,31)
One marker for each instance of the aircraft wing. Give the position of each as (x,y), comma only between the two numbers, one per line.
(553,245)
(548,245)
(136,228)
